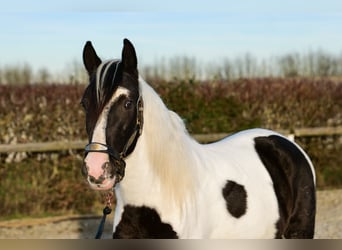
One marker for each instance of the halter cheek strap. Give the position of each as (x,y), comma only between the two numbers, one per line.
(138,128)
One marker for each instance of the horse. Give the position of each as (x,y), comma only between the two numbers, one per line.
(253,184)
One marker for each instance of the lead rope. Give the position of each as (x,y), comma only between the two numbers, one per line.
(107,210)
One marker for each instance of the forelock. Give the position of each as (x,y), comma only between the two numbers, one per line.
(106,80)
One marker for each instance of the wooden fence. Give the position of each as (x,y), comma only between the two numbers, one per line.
(77,145)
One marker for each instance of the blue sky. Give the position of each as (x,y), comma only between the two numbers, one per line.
(51,34)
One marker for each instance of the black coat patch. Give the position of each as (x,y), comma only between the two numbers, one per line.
(293,185)
(142,223)
(236,198)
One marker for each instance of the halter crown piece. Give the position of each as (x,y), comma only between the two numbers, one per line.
(118,157)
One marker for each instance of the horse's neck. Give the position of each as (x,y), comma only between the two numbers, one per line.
(161,168)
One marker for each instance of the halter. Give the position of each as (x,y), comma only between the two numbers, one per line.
(119,157)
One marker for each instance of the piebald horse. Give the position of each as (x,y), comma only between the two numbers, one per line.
(253,184)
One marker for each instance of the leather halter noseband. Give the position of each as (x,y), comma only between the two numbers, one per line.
(119,157)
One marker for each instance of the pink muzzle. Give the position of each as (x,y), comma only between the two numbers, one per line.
(101,172)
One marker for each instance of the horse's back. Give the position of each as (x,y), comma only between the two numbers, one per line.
(270,169)
(257,139)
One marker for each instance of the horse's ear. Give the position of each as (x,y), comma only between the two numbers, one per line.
(90,59)
(129,58)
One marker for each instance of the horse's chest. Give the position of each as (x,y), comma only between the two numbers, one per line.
(143,223)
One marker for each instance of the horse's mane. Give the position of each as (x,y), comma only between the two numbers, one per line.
(171,150)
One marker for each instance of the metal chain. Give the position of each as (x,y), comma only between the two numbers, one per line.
(108,198)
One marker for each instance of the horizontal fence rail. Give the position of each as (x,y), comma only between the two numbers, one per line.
(204,138)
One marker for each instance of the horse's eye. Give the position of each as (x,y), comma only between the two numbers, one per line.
(128,104)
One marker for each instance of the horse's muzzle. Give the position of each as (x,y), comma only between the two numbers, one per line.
(100,174)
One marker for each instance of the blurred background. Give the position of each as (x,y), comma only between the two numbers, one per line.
(223,66)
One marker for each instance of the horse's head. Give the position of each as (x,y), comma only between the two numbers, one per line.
(113,108)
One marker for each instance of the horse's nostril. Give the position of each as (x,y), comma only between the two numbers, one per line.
(108,169)
(106,166)
(91,179)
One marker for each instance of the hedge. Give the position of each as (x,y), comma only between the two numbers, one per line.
(48,183)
